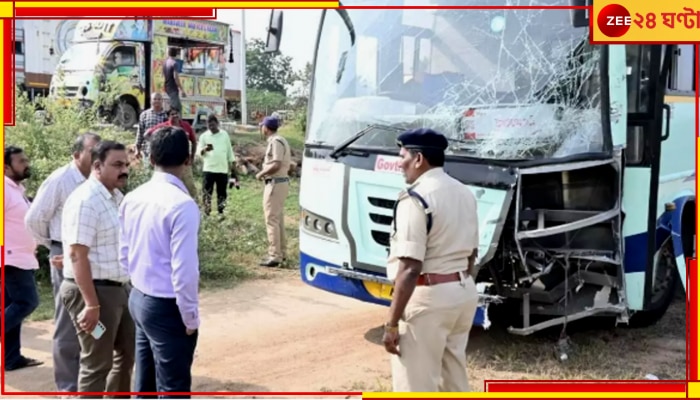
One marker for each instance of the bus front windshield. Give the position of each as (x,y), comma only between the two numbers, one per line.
(500,84)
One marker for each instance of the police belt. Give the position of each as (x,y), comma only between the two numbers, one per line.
(276,180)
(436,279)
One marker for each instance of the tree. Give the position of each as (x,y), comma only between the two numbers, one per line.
(303,86)
(270,72)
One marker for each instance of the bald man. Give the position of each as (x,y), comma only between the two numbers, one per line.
(148,119)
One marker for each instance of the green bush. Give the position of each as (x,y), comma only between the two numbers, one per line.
(47,140)
(300,120)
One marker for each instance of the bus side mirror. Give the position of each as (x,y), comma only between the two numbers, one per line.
(579,18)
(230,51)
(274,32)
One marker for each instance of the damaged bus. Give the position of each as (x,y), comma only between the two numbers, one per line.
(581,156)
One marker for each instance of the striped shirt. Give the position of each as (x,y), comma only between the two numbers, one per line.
(44,217)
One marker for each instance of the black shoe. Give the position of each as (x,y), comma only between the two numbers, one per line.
(270,263)
(24,362)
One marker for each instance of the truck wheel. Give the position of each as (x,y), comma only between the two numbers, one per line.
(663,289)
(125,115)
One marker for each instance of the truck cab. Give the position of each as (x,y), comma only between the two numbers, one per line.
(115,65)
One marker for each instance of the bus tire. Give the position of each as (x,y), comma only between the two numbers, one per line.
(663,290)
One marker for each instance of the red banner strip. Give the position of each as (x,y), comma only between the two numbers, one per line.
(91,12)
(8,110)
(692,319)
(612,387)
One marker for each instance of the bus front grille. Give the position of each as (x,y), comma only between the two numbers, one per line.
(383,219)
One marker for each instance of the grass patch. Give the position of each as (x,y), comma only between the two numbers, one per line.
(45,309)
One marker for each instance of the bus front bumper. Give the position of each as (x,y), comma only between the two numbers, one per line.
(378,288)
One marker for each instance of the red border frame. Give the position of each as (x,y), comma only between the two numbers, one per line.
(500,386)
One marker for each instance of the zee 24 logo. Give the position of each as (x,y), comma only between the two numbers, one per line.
(614,20)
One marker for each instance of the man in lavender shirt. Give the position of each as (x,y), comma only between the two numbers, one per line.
(158,248)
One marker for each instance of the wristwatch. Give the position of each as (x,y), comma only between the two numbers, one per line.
(391,328)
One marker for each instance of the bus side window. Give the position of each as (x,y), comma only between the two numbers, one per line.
(638,65)
(681,77)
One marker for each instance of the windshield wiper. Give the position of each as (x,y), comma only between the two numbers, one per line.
(345,144)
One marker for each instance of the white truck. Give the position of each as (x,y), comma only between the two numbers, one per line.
(38,47)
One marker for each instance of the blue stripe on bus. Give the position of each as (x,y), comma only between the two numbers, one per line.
(636,249)
(636,245)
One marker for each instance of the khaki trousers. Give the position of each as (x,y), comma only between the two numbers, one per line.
(274,197)
(106,364)
(433,338)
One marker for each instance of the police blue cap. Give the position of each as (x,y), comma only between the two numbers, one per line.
(271,123)
(423,138)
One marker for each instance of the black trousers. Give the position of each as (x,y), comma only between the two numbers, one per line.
(220,180)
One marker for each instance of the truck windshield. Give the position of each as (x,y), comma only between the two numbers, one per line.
(83,56)
(505,84)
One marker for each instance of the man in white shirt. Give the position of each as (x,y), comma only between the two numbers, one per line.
(21,297)
(43,221)
(94,288)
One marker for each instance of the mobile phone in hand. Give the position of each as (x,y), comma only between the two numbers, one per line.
(233,182)
(98,331)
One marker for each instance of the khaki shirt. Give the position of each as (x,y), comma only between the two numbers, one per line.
(455,231)
(278,150)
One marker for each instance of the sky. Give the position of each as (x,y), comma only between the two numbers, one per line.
(298,35)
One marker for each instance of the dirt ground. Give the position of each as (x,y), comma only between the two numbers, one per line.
(282,335)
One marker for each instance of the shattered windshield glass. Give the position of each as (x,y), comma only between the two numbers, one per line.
(503,84)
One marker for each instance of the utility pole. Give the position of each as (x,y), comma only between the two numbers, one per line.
(244,101)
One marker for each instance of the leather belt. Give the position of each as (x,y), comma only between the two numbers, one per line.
(276,180)
(100,282)
(436,279)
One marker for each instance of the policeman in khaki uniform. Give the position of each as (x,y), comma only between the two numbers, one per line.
(275,171)
(431,262)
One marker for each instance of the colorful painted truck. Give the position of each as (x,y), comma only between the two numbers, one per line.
(581,156)
(119,63)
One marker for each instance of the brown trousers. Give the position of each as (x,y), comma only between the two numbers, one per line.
(106,364)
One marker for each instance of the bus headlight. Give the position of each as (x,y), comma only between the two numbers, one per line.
(318,225)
